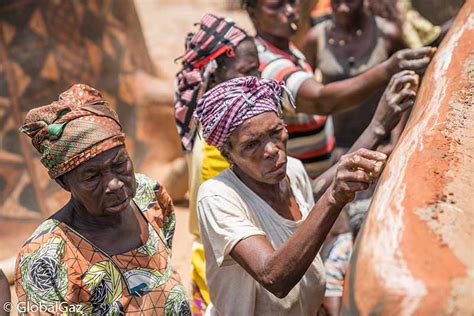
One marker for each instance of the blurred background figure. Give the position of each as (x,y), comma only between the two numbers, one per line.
(231,54)
(350,41)
(416,30)
(311,133)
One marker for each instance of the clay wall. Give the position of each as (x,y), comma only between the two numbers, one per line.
(414,255)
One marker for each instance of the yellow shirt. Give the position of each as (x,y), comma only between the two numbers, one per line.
(204,162)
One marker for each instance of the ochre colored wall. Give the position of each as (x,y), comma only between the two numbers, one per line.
(45,47)
(414,255)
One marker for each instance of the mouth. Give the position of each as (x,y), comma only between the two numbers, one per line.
(118,206)
(293,23)
(279,167)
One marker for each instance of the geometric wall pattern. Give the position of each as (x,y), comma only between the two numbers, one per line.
(45,47)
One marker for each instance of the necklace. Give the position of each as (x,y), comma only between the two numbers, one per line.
(343,42)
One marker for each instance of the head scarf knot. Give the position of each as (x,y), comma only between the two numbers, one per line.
(72,130)
(216,36)
(228,105)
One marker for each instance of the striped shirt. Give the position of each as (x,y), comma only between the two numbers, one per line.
(311,137)
(336,263)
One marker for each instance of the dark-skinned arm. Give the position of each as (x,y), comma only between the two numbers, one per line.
(316,98)
(397,99)
(279,270)
(332,305)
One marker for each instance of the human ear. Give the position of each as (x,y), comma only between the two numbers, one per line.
(60,180)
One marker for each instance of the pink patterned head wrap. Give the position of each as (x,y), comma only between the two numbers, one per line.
(228,105)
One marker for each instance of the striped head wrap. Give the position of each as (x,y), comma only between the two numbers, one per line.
(216,36)
(228,105)
(73,130)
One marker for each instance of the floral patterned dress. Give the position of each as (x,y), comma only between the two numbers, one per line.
(59,269)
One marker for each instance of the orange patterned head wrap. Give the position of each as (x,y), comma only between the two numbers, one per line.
(73,130)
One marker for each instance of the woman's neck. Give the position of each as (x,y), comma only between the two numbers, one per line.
(82,220)
(279,42)
(358,22)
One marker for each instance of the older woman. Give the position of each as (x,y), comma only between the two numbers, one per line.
(108,250)
(260,227)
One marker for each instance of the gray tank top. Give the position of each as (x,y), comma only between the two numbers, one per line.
(349,125)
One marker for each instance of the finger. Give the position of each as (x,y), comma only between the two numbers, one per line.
(415,64)
(403,95)
(407,93)
(399,74)
(357,186)
(408,79)
(355,176)
(350,188)
(417,52)
(370,154)
(406,105)
(357,162)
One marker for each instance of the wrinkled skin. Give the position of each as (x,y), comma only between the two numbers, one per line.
(101,207)
(104,185)
(398,98)
(258,149)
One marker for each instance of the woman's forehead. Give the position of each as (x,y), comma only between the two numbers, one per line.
(103,159)
(257,126)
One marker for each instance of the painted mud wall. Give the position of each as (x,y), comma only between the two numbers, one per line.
(414,255)
(45,47)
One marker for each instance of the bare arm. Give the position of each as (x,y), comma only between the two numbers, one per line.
(396,100)
(275,269)
(332,305)
(315,98)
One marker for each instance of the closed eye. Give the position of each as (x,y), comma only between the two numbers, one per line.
(92,177)
(276,132)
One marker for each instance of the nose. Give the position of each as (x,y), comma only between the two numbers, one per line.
(113,184)
(343,8)
(271,150)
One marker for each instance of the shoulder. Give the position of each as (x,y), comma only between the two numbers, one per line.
(221,185)
(319,28)
(269,58)
(223,195)
(42,267)
(48,228)
(149,192)
(47,238)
